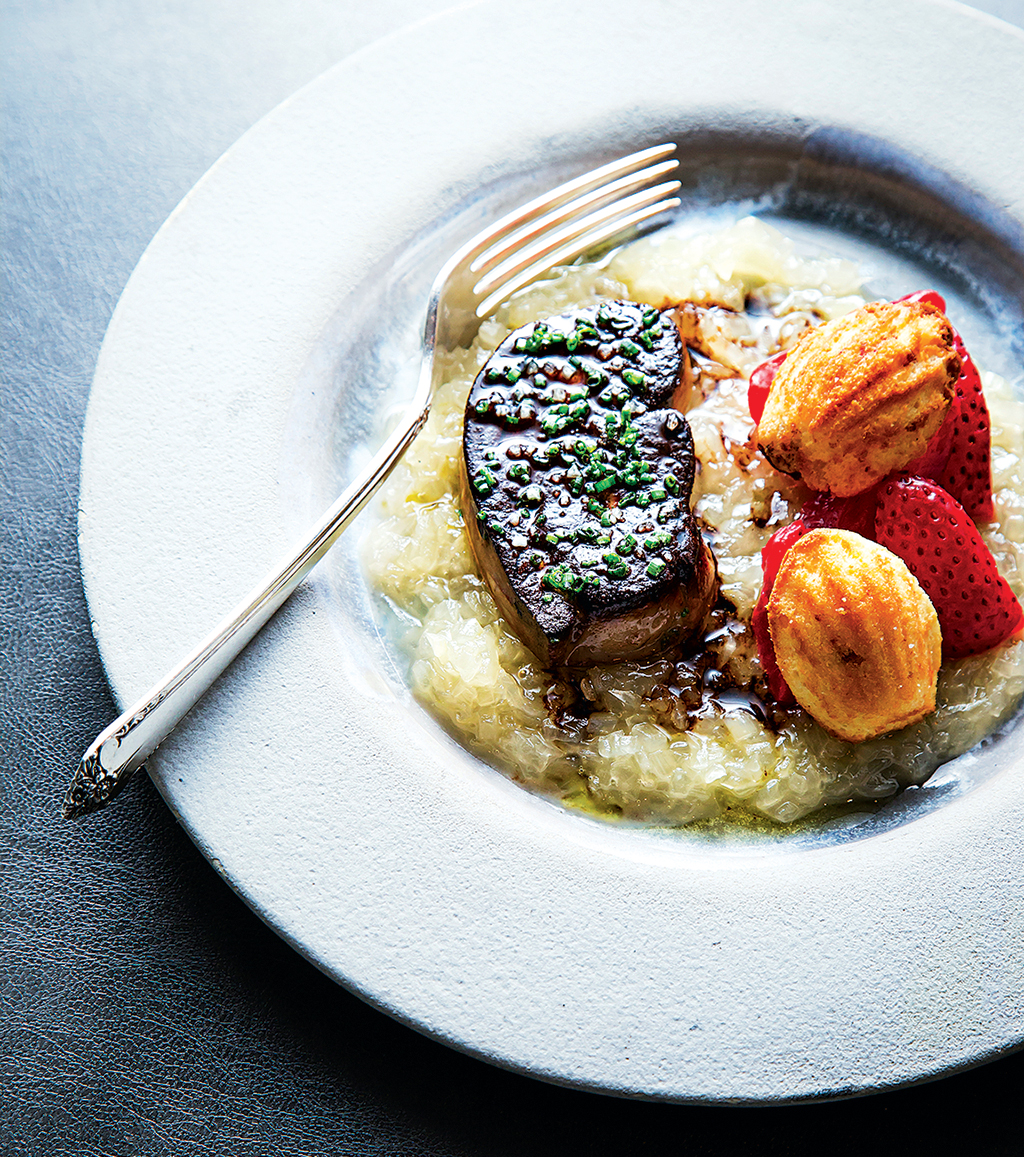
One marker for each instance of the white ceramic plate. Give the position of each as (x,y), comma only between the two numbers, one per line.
(256,350)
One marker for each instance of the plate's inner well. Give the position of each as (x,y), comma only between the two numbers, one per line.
(904,225)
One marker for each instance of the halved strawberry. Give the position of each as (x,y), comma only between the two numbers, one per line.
(772,554)
(933,461)
(856,513)
(823,510)
(967,474)
(959,455)
(930,296)
(760,383)
(934,535)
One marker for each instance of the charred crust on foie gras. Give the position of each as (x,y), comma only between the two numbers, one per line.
(576,480)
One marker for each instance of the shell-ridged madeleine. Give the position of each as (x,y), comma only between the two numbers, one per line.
(856,637)
(860,396)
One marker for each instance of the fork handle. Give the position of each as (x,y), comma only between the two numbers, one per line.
(119,751)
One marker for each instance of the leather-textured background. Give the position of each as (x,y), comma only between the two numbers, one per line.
(143,1009)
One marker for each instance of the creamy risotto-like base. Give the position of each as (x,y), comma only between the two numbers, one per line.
(676,738)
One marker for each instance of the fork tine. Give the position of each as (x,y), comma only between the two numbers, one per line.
(514,239)
(563,247)
(548,240)
(571,190)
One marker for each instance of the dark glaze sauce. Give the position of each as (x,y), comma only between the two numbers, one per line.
(720,677)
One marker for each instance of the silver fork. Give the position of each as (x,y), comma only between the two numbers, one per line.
(572,219)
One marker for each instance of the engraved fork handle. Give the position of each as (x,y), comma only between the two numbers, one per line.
(120,750)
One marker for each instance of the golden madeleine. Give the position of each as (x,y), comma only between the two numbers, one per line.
(860,396)
(856,637)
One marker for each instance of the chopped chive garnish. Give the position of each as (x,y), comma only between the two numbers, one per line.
(485,482)
(561,578)
(655,568)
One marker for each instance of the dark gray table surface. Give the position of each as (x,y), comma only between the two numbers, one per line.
(143,1009)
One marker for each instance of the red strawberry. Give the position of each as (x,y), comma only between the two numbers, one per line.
(823,510)
(959,455)
(933,534)
(772,554)
(967,474)
(760,383)
(929,296)
(856,513)
(933,461)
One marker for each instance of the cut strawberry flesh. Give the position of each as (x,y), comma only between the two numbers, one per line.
(856,513)
(929,296)
(772,554)
(760,383)
(822,511)
(935,536)
(958,456)
(967,473)
(933,461)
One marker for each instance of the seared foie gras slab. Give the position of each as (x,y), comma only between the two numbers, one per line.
(576,486)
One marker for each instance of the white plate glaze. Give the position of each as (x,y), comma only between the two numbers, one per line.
(242,374)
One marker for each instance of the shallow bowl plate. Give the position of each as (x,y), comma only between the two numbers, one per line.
(267,334)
